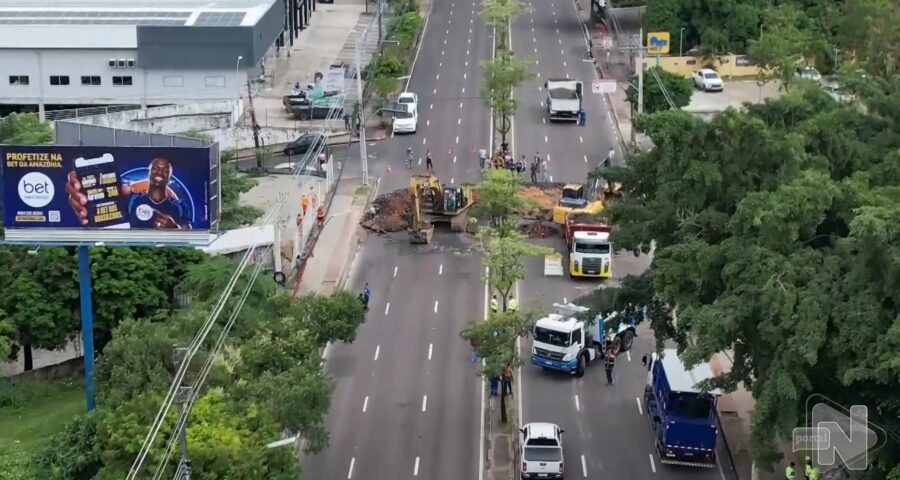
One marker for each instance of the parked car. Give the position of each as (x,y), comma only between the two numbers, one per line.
(808,72)
(708,80)
(541,451)
(405,121)
(305,143)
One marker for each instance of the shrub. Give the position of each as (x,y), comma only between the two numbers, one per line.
(73,454)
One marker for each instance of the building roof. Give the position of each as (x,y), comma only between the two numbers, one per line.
(189,13)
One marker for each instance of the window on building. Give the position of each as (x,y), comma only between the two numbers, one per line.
(122,81)
(18,79)
(59,80)
(215,81)
(90,80)
(173,81)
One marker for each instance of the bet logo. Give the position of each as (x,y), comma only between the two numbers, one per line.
(144,212)
(36,189)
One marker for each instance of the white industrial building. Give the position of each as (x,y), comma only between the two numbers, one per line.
(73,53)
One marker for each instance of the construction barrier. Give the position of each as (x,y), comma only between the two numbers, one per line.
(553,265)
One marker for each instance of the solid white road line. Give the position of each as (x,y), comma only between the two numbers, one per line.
(577,404)
(377,351)
(412,69)
(583,466)
(352,462)
(652,463)
(430,349)
(440,269)
(366,404)
(436,302)
(416,468)
(424,402)
(387,308)
(628,354)
(395,271)
(640,408)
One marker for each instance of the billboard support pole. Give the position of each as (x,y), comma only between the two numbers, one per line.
(87,322)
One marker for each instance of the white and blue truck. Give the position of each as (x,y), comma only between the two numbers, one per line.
(682,415)
(567,340)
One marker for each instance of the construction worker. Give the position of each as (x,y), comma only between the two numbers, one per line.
(789,473)
(812,473)
(495,305)
(304,203)
(512,305)
(610,364)
(320,216)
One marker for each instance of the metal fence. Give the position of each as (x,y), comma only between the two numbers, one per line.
(71,113)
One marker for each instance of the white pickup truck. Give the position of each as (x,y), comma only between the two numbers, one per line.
(707,80)
(564,97)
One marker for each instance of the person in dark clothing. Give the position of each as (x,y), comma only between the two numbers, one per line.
(495,383)
(428,162)
(507,380)
(610,364)
(534,172)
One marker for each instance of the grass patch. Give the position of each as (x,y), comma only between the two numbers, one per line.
(361,190)
(32,411)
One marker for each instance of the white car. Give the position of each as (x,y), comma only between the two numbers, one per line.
(409,98)
(541,451)
(405,121)
(808,73)
(708,80)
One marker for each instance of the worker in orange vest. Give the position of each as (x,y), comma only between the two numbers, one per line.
(304,203)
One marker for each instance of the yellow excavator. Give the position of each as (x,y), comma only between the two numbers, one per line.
(579,198)
(433,203)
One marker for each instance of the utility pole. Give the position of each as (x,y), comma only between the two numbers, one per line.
(361,132)
(184,394)
(254,125)
(640,106)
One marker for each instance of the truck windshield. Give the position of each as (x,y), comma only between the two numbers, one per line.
(553,337)
(600,248)
(543,454)
(691,406)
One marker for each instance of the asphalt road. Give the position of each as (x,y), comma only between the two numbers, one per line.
(608,434)
(407,400)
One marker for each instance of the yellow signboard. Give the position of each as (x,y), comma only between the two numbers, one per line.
(658,43)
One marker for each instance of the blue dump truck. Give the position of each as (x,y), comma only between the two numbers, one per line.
(683,416)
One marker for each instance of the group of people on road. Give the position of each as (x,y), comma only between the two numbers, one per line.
(810,471)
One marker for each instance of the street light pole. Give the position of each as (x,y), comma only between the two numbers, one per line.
(640,105)
(237,72)
(363,156)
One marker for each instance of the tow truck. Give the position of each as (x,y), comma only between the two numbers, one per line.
(567,340)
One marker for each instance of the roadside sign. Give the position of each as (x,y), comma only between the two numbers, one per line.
(553,265)
(658,43)
(603,86)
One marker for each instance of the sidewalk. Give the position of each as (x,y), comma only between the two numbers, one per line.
(735,410)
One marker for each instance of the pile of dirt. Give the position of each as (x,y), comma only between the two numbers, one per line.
(594,218)
(391,212)
(539,230)
(544,197)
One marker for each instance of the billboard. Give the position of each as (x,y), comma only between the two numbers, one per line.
(135,195)
(658,43)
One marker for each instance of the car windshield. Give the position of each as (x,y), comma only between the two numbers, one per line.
(403,115)
(710,75)
(553,337)
(406,100)
(543,454)
(582,247)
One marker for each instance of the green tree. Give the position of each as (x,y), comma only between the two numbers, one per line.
(499,199)
(24,129)
(329,318)
(234,183)
(73,453)
(504,257)
(774,239)
(501,76)
(784,44)
(661,87)
(498,14)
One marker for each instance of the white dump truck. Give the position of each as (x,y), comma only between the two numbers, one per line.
(564,97)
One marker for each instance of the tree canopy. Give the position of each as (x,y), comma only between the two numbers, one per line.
(776,238)
(660,87)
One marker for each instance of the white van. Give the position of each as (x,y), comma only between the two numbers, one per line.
(542,451)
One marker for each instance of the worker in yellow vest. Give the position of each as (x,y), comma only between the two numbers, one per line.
(495,305)
(512,305)
(812,473)
(789,473)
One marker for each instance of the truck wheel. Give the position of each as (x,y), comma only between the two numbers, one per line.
(627,340)
(304,116)
(579,372)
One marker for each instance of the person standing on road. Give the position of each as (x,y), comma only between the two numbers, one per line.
(304,203)
(610,364)
(482,157)
(512,305)
(544,175)
(789,473)
(534,172)
(507,380)
(495,382)
(347,123)
(812,473)
(610,156)
(429,165)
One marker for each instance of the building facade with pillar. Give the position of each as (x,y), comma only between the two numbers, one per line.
(64,54)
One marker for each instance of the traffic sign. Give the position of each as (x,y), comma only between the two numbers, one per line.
(603,86)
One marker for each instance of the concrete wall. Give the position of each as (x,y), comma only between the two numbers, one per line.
(148,86)
(726,65)
(44,358)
